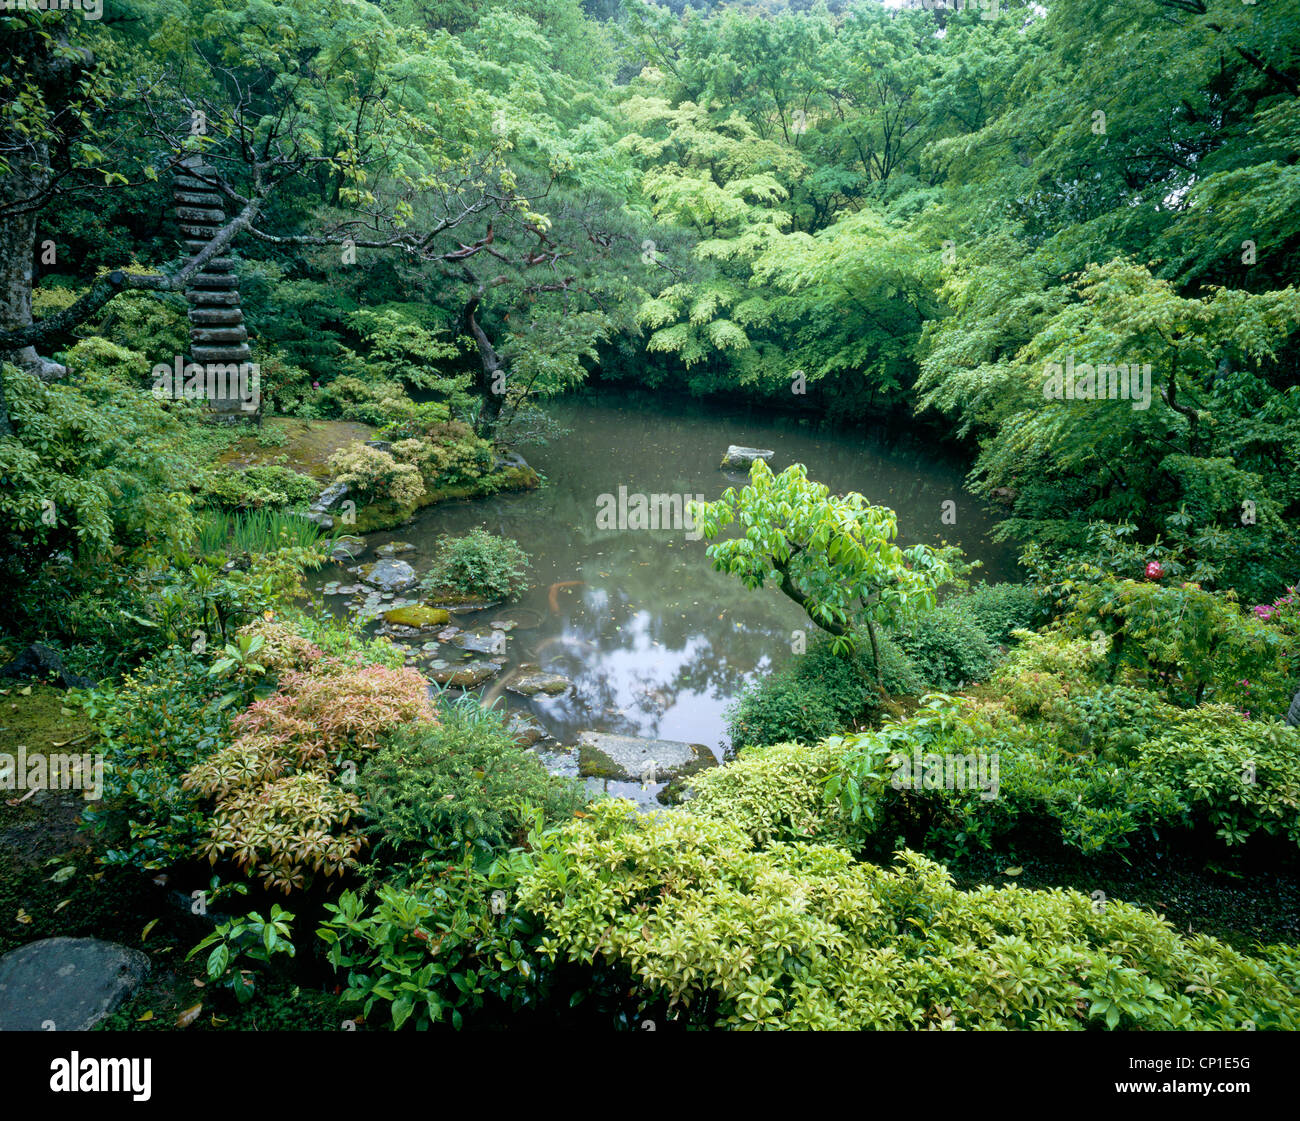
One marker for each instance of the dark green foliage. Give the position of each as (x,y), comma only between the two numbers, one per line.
(432,791)
(818,694)
(947,647)
(999,609)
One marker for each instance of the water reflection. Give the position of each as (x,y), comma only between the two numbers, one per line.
(656,643)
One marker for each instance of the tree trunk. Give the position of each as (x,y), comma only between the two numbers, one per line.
(490,382)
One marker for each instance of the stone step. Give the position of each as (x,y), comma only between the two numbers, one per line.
(203,215)
(218,265)
(202,233)
(209,298)
(205,354)
(199,198)
(216,336)
(211,280)
(216,317)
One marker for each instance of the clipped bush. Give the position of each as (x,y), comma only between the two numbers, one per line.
(999,609)
(478,564)
(375,476)
(255,487)
(433,789)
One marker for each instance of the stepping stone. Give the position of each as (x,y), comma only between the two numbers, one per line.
(418,618)
(633,759)
(394,549)
(468,675)
(387,575)
(71,983)
(482,641)
(533,680)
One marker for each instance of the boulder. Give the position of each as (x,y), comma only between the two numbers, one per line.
(330,497)
(743,458)
(633,759)
(533,680)
(40,663)
(394,549)
(387,575)
(70,983)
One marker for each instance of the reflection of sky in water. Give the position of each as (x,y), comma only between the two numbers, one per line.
(657,643)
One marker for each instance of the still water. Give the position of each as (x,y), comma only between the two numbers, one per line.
(655,642)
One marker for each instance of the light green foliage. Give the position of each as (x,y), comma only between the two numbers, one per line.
(834,556)
(90,466)
(798,936)
(375,475)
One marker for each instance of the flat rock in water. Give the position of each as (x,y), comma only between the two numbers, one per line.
(633,759)
(388,575)
(525,730)
(467,675)
(72,983)
(418,617)
(533,680)
(394,549)
(744,457)
(348,548)
(481,640)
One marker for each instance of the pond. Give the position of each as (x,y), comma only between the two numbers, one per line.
(655,642)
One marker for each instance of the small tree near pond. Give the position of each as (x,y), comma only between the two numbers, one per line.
(833,555)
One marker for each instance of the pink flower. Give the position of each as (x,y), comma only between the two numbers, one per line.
(1154,570)
(1263,610)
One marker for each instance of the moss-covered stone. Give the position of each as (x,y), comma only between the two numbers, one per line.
(418,616)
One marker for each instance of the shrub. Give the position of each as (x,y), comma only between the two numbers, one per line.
(478,564)
(377,403)
(435,952)
(277,813)
(375,476)
(816,695)
(159,722)
(433,789)
(948,649)
(255,487)
(800,936)
(999,609)
(447,454)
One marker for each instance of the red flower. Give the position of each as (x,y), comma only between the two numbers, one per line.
(1155,570)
